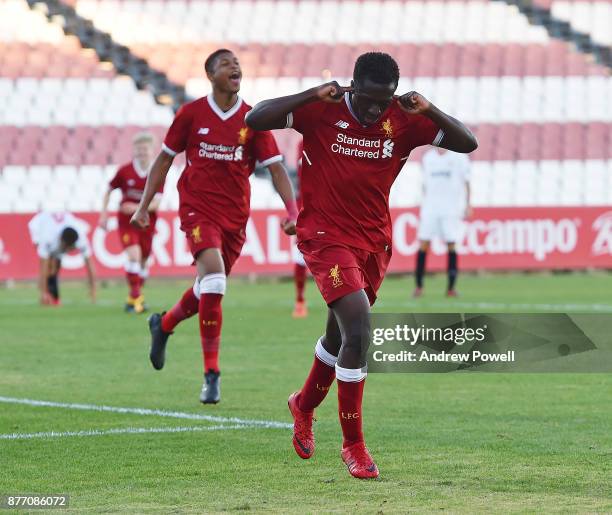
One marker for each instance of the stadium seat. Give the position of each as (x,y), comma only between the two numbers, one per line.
(14,175)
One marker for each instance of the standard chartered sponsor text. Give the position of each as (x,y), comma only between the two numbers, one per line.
(359,147)
(217,152)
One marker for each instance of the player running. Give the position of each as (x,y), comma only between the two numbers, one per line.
(446,201)
(214,203)
(136,242)
(356,140)
(55,234)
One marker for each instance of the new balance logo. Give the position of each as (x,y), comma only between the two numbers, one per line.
(342,124)
(203,130)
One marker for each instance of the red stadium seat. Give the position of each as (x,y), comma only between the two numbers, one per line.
(492,60)
(506,142)
(513,60)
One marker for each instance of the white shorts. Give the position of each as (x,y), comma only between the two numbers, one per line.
(445,227)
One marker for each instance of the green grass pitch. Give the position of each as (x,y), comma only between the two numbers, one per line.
(456,442)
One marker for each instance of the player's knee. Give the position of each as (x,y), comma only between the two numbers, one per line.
(210,261)
(332,341)
(424,246)
(356,338)
(213,283)
(196,288)
(132,267)
(324,353)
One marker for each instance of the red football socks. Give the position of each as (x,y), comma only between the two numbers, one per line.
(184,308)
(299,276)
(211,317)
(350,396)
(133,281)
(316,386)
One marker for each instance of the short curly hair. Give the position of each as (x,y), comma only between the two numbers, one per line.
(379,67)
(209,64)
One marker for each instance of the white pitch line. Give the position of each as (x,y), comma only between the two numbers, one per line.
(120,431)
(269,424)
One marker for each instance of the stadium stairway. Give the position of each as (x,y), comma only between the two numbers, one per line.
(124,61)
(539,14)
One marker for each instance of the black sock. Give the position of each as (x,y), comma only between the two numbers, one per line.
(452,269)
(52,286)
(420,268)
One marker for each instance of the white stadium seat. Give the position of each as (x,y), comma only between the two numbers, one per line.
(14,175)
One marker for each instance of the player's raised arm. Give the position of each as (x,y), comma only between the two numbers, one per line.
(272,114)
(154,205)
(457,137)
(156,178)
(283,186)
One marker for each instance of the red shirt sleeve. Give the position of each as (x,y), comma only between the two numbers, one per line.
(304,118)
(265,148)
(422,131)
(117,180)
(176,138)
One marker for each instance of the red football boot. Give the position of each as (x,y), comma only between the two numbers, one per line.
(303,438)
(359,462)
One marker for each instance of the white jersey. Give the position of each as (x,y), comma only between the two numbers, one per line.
(444,180)
(46,230)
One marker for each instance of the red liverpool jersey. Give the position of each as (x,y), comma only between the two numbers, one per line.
(131,180)
(221,153)
(348,170)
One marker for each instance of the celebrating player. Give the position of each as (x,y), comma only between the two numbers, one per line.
(446,200)
(214,197)
(136,242)
(356,140)
(55,234)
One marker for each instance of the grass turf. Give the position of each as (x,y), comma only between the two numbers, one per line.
(457,442)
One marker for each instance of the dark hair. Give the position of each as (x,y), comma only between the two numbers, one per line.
(379,67)
(69,236)
(209,64)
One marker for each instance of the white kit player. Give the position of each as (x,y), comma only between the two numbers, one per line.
(446,201)
(54,234)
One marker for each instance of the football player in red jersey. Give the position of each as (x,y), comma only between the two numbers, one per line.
(356,140)
(136,242)
(214,203)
